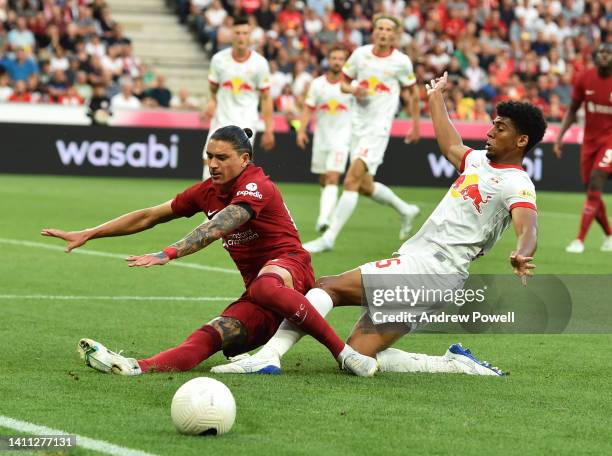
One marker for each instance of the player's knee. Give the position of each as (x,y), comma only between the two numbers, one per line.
(352,183)
(264,287)
(597,180)
(331,285)
(332,179)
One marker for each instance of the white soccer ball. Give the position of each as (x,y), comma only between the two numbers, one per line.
(203,406)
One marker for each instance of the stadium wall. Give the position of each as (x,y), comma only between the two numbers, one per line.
(176,153)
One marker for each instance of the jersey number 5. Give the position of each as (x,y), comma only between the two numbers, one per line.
(386,263)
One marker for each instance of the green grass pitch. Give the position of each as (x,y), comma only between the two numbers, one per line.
(557,400)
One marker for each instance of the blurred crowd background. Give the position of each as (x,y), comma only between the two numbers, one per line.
(72,51)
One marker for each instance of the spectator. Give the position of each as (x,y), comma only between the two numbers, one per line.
(286,104)
(209,22)
(290,18)
(99,106)
(301,83)
(224,34)
(20,94)
(138,90)
(438,60)
(184,101)
(21,37)
(556,109)
(57,87)
(72,98)
(318,6)
(125,99)
(480,111)
(5,89)
(35,87)
(312,22)
(59,61)
(160,94)
(20,68)
(552,63)
(278,80)
(475,74)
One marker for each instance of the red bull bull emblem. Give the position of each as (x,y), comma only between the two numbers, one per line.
(374,86)
(466,186)
(333,107)
(237,85)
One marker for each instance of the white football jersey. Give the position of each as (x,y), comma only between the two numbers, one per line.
(384,77)
(333,114)
(239,86)
(475,212)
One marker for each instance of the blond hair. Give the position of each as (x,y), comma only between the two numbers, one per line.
(393,19)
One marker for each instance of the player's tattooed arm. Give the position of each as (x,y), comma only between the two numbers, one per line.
(223,223)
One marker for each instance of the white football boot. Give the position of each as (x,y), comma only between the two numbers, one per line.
(576,246)
(466,362)
(318,245)
(100,358)
(607,244)
(408,218)
(247,364)
(356,363)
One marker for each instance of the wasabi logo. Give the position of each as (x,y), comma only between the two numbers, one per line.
(150,154)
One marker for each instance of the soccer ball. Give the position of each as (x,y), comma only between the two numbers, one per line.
(203,406)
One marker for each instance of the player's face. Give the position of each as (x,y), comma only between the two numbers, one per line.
(384,33)
(603,56)
(336,61)
(503,139)
(242,36)
(224,162)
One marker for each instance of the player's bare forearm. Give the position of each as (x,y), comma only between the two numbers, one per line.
(305,119)
(267,110)
(346,87)
(525,222)
(223,223)
(568,119)
(133,222)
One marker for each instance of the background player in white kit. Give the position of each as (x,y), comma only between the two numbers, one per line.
(382,75)
(332,136)
(238,77)
(492,192)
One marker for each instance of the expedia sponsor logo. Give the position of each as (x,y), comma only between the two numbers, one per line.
(150,154)
(251,190)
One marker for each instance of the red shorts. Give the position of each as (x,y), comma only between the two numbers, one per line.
(260,323)
(595,157)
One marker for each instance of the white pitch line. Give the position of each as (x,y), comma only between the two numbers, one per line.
(117,298)
(58,248)
(84,442)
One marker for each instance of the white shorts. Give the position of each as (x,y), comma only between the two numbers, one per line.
(214,127)
(370,150)
(326,160)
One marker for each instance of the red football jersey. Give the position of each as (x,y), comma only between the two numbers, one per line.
(596,93)
(269,234)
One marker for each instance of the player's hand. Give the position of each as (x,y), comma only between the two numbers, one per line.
(437,85)
(302,139)
(413,136)
(73,238)
(522,266)
(148,260)
(267,140)
(360,93)
(557,149)
(209,112)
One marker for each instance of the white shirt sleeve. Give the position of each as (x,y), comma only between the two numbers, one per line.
(406,75)
(213,71)
(312,95)
(263,75)
(519,191)
(351,65)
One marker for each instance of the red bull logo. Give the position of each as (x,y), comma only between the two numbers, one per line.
(237,85)
(333,107)
(374,86)
(466,186)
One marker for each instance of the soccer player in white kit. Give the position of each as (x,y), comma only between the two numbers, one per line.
(492,192)
(382,74)
(238,77)
(332,136)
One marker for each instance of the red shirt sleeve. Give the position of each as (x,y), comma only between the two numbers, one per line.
(578,89)
(256,192)
(186,203)
(462,165)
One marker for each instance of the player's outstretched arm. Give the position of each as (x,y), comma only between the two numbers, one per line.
(525,223)
(412,107)
(568,119)
(267,112)
(451,144)
(130,223)
(223,223)
(302,135)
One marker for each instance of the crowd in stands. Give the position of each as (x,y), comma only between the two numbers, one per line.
(493,50)
(73,52)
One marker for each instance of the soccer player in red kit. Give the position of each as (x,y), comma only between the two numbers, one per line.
(593,88)
(247,211)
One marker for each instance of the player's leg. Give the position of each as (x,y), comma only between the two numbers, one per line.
(595,169)
(344,209)
(219,333)
(273,289)
(329,197)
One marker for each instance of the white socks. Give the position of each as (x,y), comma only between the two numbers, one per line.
(288,335)
(329,197)
(344,210)
(394,360)
(384,195)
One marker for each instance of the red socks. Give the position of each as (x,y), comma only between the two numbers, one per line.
(589,212)
(202,344)
(602,219)
(269,291)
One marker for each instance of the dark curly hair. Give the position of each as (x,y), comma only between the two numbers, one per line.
(238,137)
(526,118)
